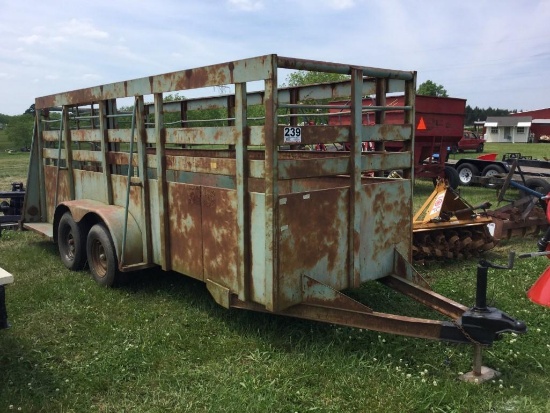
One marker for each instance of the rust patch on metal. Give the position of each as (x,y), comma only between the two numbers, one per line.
(185,230)
(219,231)
(63,192)
(313,230)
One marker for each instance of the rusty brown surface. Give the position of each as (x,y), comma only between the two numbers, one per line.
(386,225)
(185,231)
(313,230)
(219,236)
(63,190)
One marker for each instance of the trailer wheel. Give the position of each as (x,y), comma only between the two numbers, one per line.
(71,242)
(102,256)
(466,172)
(451,175)
(492,170)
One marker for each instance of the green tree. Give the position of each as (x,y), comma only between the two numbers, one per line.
(429,88)
(481,114)
(303,77)
(30,110)
(19,130)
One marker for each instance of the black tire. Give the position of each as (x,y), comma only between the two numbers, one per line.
(71,242)
(492,170)
(539,185)
(451,175)
(480,148)
(102,257)
(466,172)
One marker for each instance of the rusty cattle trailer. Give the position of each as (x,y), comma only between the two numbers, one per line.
(218,200)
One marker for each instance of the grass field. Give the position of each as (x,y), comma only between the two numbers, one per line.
(160,343)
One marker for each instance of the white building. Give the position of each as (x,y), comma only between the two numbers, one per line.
(511,129)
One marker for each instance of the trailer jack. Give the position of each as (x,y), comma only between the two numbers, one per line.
(483,324)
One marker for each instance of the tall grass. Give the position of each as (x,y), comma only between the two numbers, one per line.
(160,343)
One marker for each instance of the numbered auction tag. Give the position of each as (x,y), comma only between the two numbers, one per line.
(292,134)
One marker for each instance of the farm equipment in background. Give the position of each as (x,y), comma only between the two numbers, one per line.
(11,206)
(523,216)
(438,123)
(539,292)
(447,226)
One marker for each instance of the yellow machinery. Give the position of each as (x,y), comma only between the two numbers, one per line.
(446,226)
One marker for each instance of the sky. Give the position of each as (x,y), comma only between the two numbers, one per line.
(492,53)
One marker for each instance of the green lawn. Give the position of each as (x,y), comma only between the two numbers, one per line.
(160,343)
(536,150)
(13,164)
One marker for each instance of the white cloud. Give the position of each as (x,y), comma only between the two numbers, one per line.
(341,4)
(82,29)
(30,40)
(90,77)
(247,5)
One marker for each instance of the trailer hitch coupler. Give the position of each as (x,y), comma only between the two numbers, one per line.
(485,324)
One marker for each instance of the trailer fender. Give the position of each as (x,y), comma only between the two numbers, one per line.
(88,212)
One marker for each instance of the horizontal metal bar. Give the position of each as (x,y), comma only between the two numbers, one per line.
(313,65)
(120,115)
(307,106)
(84,117)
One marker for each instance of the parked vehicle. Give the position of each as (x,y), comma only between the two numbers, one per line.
(266,229)
(470,141)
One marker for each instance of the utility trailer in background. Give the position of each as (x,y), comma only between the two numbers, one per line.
(201,187)
(479,170)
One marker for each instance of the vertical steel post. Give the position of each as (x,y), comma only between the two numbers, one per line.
(130,173)
(37,140)
(68,153)
(162,185)
(103,127)
(271,190)
(59,141)
(243,210)
(355,176)
(144,181)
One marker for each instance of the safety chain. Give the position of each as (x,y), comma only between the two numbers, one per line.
(468,336)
